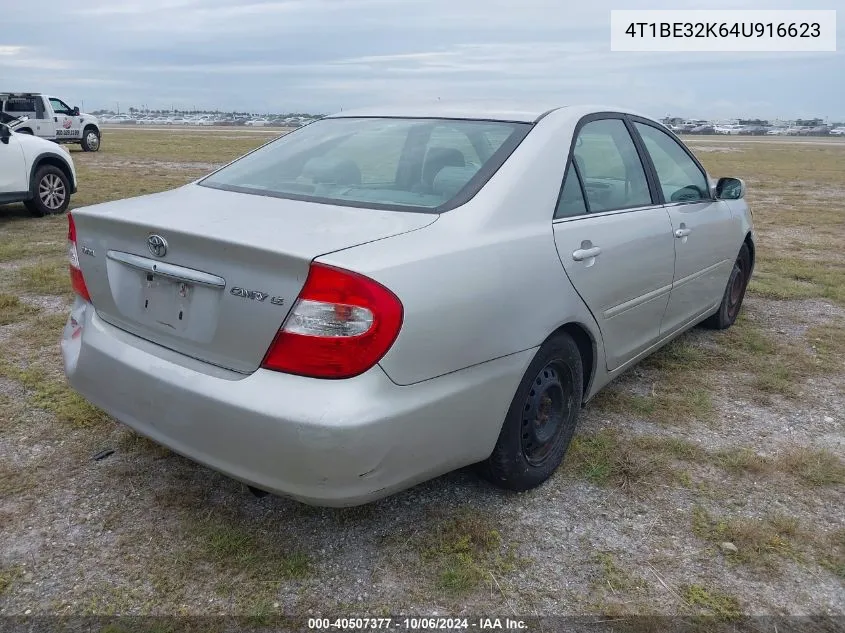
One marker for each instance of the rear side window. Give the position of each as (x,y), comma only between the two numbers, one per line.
(403,164)
(571,198)
(680,178)
(610,167)
(20,104)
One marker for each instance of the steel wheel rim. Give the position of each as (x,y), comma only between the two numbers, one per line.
(92,140)
(51,191)
(737,286)
(546,409)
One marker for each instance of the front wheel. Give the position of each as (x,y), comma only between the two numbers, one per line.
(541,420)
(734,292)
(50,192)
(90,139)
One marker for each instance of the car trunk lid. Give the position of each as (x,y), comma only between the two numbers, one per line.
(210,273)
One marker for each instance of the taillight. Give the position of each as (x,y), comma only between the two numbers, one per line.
(341,325)
(77,281)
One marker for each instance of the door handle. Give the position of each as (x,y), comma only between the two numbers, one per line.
(682,233)
(585,253)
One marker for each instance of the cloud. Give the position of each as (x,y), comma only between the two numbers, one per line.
(321,55)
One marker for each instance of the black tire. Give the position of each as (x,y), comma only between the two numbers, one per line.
(90,139)
(541,419)
(25,130)
(50,192)
(728,310)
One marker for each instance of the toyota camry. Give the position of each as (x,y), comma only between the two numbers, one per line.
(384,296)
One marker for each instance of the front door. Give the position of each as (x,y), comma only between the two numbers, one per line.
(614,241)
(703,229)
(67,125)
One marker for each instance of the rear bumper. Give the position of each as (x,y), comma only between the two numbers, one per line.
(324,442)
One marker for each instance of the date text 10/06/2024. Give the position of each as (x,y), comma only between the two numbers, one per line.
(417,624)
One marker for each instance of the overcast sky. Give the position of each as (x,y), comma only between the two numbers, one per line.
(324,55)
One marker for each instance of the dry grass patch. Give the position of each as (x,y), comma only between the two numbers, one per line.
(8,575)
(830,552)
(12,249)
(761,543)
(44,331)
(12,309)
(613,576)
(812,467)
(828,344)
(779,277)
(712,602)
(46,392)
(47,277)
(678,391)
(460,552)
(607,458)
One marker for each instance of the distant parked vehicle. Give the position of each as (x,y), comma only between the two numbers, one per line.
(838,131)
(728,129)
(703,129)
(258,122)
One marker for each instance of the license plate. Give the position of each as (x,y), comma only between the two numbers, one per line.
(166,301)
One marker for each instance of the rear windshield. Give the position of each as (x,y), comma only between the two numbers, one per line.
(408,164)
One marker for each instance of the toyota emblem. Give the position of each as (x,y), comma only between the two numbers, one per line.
(157,245)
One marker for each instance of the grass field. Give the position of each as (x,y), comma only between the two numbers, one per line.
(707,480)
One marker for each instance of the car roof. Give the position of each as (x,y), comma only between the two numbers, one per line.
(481,111)
(506,112)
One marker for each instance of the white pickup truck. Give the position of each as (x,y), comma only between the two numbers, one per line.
(50,118)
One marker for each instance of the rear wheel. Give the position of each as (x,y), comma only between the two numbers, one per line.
(50,192)
(734,292)
(90,139)
(541,419)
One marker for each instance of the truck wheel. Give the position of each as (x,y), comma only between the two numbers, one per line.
(50,192)
(25,130)
(90,139)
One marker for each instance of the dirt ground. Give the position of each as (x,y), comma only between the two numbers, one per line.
(707,480)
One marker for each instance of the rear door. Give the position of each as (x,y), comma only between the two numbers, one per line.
(613,238)
(704,229)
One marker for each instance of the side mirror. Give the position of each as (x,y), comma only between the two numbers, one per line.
(730,189)
(5,133)
(75,111)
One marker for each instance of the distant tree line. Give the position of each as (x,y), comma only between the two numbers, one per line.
(234,113)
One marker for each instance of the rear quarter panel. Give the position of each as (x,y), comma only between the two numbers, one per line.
(485,280)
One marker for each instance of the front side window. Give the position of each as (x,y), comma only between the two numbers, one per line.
(415,164)
(680,178)
(610,167)
(60,107)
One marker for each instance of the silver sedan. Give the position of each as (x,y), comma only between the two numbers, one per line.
(381,297)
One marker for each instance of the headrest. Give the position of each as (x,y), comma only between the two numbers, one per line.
(450,180)
(439,157)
